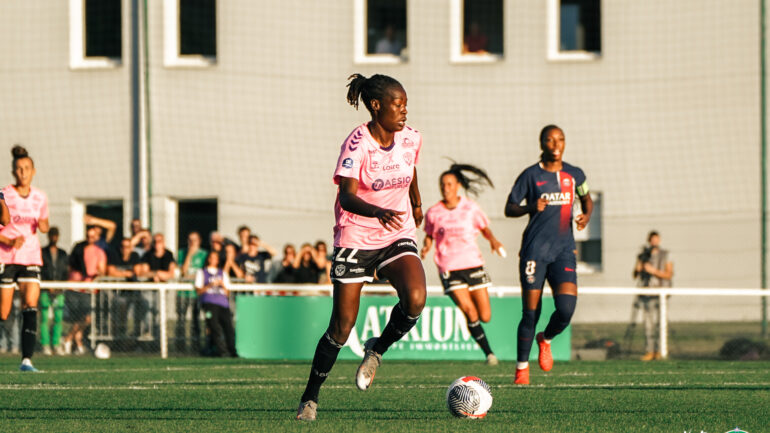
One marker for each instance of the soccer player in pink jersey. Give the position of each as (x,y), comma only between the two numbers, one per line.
(454,223)
(377,212)
(20,254)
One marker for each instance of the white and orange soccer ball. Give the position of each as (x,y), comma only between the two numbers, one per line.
(469,397)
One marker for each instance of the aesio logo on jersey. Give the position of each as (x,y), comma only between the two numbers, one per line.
(396,182)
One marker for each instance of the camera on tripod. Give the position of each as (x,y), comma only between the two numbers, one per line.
(645,257)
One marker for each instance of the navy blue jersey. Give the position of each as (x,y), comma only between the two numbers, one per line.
(549,232)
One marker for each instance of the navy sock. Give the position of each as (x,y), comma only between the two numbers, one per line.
(565,307)
(478,334)
(398,325)
(526,334)
(28,332)
(325,355)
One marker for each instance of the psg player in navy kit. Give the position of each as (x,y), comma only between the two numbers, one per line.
(547,247)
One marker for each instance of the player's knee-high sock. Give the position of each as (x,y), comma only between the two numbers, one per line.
(399,324)
(565,306)
(325,355)
(28,332)
(478,334)
(525,335)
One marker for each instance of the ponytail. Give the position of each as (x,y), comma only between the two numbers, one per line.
(473,181)
(368,89)
(19,152)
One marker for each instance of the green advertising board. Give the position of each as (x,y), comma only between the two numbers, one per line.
(288,327)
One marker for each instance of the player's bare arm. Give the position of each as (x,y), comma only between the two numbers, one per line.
(350,202)
(587,205)
(516,210)
(426,244)
(493,242)
(416,200)
(5,218)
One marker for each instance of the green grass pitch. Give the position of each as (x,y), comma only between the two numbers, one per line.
(192,394)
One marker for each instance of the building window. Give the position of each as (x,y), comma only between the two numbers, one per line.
(574,28)
(476,30)
(196,215)
(95,33)
(380,31)
(190,32)
(589,240)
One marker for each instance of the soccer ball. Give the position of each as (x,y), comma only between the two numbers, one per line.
(469,397)
(102,351)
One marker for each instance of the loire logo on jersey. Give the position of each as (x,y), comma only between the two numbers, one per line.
(557,198)
(348,163)
(396,182)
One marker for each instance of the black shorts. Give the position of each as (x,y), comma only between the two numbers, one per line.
(77,305)
(534,273)
(12,274)
(352,265)
(471,279)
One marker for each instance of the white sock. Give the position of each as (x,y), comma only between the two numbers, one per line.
(522,365)
(547,341)
(26,361)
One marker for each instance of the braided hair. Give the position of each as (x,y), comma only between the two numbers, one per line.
(19,152)
(473,181)
(367,89)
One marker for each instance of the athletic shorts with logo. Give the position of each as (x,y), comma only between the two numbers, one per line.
(471,279)
(352,265)
(534,273)
(11,274)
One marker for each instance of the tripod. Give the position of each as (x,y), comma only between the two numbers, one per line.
(628,338)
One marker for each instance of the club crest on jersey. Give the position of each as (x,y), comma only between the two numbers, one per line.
(409,158)
(374,165)
(339,270)
(566,182)
(347,163)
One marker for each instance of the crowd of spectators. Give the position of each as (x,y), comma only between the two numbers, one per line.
(145,257)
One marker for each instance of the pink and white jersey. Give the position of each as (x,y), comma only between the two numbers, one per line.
(455,231)
(384,176)
(25,214)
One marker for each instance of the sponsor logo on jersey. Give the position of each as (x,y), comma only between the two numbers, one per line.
(33,268)
(557,198)
(409,158)
(339,270)
(569,269)
(347,163)
(541,182)
(391,167)
(396,182)
(357,270)
(18,219)
(406,244)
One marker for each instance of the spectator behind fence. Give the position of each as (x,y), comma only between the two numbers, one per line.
(254,263)
(231,267)
(306,264)
(156,265)
(55,263)
(212,285)
(87,262)
(285,272)
(105,229)
(191,260)
(324,262)
(653,269)
(141,241)
(244,233)
(121,265)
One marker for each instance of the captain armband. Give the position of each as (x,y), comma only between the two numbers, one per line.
(582,189)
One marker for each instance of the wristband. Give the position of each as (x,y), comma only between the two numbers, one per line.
(417,205)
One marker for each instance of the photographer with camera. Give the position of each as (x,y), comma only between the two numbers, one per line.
(653,269)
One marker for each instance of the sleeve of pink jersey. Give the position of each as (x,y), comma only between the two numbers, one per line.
(480,220)
(349,162)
